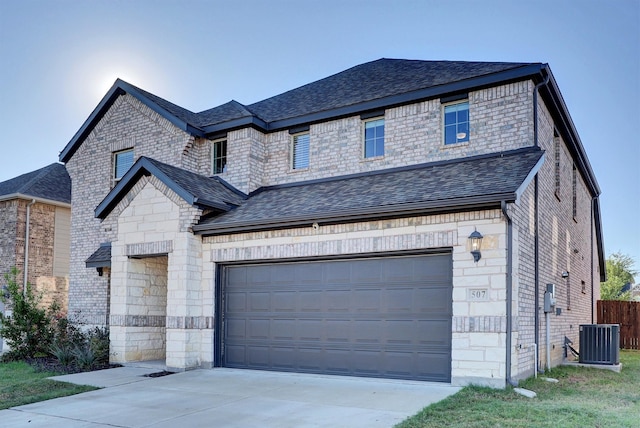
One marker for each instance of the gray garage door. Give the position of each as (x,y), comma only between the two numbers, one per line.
(380,317)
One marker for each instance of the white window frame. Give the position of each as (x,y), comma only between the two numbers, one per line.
(115,178)
(213,154)
(443,122)
(292,155)
(364,137)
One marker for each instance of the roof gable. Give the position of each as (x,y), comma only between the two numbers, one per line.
(204,192)
(51,183)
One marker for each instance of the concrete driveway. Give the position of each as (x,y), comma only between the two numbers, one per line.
(228,398)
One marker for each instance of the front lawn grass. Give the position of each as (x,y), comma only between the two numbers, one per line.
(22,384)
(583,397)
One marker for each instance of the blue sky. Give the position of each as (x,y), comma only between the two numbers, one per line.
(58,58)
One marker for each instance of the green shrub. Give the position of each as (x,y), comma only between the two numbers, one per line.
(85,358)
(28,330)
(63,353)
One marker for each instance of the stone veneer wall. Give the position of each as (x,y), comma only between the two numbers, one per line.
(478,326)
(157,303)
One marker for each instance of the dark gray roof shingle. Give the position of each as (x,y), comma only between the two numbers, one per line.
(101,257)
(205,192)
(204,189)
(441,185)
(365,82)
(51,182)
(371,81)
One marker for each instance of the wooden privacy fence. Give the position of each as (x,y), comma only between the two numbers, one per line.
(627,314)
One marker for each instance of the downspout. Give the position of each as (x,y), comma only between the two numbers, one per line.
(592,284)
(509,285)
(26,248)
(536,272)
(536,240)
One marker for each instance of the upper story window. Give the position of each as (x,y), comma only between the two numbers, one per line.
(456,122)
(374,138)
(219,157)
(122,161)
(300,151)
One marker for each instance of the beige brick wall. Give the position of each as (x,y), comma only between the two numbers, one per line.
(564,245)
(127,124)
(47,275)
(500,120)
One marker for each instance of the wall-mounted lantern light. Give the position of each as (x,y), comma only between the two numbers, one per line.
(475,239)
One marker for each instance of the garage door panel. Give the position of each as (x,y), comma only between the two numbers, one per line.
(368,331)
(283,329)
(236,301)
(337,300)
(337,330)
(284,301)
(382,317)
(436,298)
(366,301)
(309,330)
(311,301)
(236,328)
(258,302)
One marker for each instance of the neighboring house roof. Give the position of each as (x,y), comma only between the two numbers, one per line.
(51,183)
(467,183)
(204,192)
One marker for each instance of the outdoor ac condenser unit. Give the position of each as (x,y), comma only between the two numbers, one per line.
(600,344)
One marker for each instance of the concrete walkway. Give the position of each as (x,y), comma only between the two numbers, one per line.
(227,398)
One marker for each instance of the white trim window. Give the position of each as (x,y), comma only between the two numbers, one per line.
(456,122)
(374,138)
(300,151)
(218,157)
(122,161)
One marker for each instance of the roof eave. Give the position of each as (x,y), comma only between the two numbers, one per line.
(551,92)
(361,214)
(26,197)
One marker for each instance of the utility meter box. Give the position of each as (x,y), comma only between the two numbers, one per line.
(550,298)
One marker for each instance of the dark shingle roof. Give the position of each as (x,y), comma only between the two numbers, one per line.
(205,192)
(447,185)
(371,81)
(51,182)
(101,257)
(370,86)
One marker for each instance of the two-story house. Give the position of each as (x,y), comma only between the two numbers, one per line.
(400,219)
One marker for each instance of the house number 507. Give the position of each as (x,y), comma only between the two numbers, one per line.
(478,294)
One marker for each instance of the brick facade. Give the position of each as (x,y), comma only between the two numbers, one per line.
(46,278)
